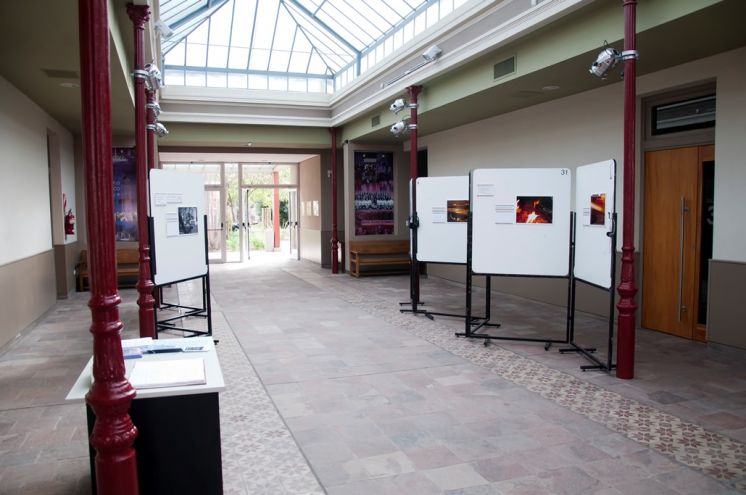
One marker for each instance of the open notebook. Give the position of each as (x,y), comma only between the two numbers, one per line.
(168,373)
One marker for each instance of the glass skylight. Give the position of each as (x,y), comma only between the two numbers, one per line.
(315,46)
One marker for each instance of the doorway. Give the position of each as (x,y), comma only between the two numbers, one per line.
(263,232)
(677,239)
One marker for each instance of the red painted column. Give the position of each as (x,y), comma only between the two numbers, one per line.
(335,234)
(276,209)
(413,92)
(139,14)
(627,307)
(111,394)
(152,118)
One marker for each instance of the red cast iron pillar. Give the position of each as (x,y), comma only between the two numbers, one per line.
(335,234)
(412,93)
(152,117)
(625,367)
(139,14)
(111,394)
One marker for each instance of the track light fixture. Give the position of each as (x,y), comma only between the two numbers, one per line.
(430,55)
(159,129)
(608,59)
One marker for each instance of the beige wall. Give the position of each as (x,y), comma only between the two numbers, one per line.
(401,193)
(28,232)
(27,291)
(310,224)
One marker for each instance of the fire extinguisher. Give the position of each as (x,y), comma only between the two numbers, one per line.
(69,217)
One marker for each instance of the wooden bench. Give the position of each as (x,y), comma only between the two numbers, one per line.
(128,269)
(386,257)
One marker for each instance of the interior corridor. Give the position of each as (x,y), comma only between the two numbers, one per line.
(330,389)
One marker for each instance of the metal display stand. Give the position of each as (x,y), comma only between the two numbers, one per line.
(205,311)
(413,223)
(473,324)
(587,352)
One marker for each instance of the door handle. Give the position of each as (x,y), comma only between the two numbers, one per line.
(682,225)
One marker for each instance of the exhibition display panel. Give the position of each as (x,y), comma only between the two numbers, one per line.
(594,243)
(443,209)
(440,233)
(179,243)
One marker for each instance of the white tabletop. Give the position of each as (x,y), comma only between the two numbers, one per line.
(213,373)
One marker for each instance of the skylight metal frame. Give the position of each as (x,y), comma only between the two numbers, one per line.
(329,54)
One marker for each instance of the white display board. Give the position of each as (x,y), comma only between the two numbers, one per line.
(442,207)
(595,202)
(177,205)
(521,221)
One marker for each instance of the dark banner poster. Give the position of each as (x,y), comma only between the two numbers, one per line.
(125,194)
(374,193)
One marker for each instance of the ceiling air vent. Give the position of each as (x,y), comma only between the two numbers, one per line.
(502,69)
(375,121)
(60,74)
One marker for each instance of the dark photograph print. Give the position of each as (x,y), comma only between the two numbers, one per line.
(187,220)
(458,210)
(533,209)
(598,209)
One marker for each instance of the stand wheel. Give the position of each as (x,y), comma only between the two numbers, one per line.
(547,346)
(486,342)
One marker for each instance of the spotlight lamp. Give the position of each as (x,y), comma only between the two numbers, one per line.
(401,126)
(159,129)
(608,59)
(398,105)
(155,107)
(433,53)
(154,77)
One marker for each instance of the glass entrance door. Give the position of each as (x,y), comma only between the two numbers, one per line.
(293,226)
(215,205)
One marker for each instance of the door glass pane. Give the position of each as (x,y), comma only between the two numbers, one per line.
(214,229)
(265,174)
(705,250)
(232,214)
(210,171)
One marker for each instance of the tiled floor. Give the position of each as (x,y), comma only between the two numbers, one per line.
(331,389)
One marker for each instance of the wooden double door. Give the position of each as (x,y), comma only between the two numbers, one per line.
(677,239)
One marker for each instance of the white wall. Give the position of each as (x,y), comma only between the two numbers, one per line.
(309,173)
(729,241)
(26,228)
(587,127)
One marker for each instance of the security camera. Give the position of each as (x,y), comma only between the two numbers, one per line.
(398,105)
(432,53)
(398,128)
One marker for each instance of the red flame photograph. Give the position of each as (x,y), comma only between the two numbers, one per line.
(533,209)
(598,209)
(458,210)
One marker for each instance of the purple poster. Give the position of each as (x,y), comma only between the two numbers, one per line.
(125,194)
(374,193)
